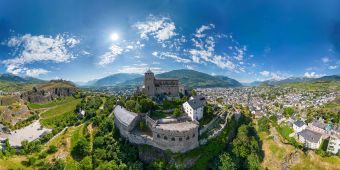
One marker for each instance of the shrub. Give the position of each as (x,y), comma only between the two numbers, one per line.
(52,149)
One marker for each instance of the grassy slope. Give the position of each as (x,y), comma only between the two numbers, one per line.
(316,162)
(50,104)
(58,112)
(275,152)
(13,163)
(14,87)
(65,143)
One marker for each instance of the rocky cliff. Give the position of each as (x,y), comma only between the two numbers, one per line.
(8,100)
(50,91)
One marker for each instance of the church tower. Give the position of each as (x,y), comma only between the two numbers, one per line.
(149,83)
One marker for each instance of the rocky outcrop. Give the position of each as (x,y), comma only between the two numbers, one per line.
(47,95)
(8,100)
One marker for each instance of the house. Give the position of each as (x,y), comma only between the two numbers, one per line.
(194,108)
(299,125)
(336,130)
(199,97)
(81,113)
(311,139)
(258,114)
(333,144)
(319,126)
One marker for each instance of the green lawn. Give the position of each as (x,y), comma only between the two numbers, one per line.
(159,114)
(60,114)
(285,131)
(76,135)
(13,163)
(69,106)
(50,104)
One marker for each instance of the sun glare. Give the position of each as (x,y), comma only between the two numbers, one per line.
(114,36)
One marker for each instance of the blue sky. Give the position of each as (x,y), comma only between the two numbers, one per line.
(248,40)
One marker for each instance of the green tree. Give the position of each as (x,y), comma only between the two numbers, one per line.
(193,93)
(273,118)
(288,111)
(253,162)
(130,105)
(31,161)
(226,162)
(158,164)
(112,165)
(177,112)
(81,149)
(8,149)
(263,124)
(52,149)
(86,163)
(146,105)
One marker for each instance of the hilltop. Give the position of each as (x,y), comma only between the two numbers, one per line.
(14,83)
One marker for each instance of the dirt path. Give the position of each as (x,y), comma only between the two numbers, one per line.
(90,130)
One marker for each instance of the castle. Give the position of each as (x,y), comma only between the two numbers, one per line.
(161,86)
(166,134)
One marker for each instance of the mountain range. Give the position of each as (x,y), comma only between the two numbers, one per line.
(189,78)
(294,80)
(17,79)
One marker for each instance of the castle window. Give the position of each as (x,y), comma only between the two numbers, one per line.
(173,139)
(158,136)
(193,135)
(165,138)
(180,139)
(187,137)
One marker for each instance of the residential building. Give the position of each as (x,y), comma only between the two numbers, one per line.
(299,125)
(194,108)
(311,139)
(333,144)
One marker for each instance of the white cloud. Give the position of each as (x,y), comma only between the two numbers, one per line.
(274,75)
(312,75)
(29,49)
(199,31)
(72,42)
(110,56)
(332,67)
(325,59)
(240,53)
(223,62)
(204,50)
(278,76)
(36,72)
(159,28)
(163,55)
(139,69)
(265,73)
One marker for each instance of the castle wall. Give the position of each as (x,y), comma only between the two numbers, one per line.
(173,140)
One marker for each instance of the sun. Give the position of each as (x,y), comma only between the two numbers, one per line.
(114,36)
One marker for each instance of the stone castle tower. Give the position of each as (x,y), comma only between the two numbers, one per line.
(149,83)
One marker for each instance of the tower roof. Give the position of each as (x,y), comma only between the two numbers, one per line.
(149,71)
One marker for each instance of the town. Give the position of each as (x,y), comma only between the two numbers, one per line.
(287,106)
